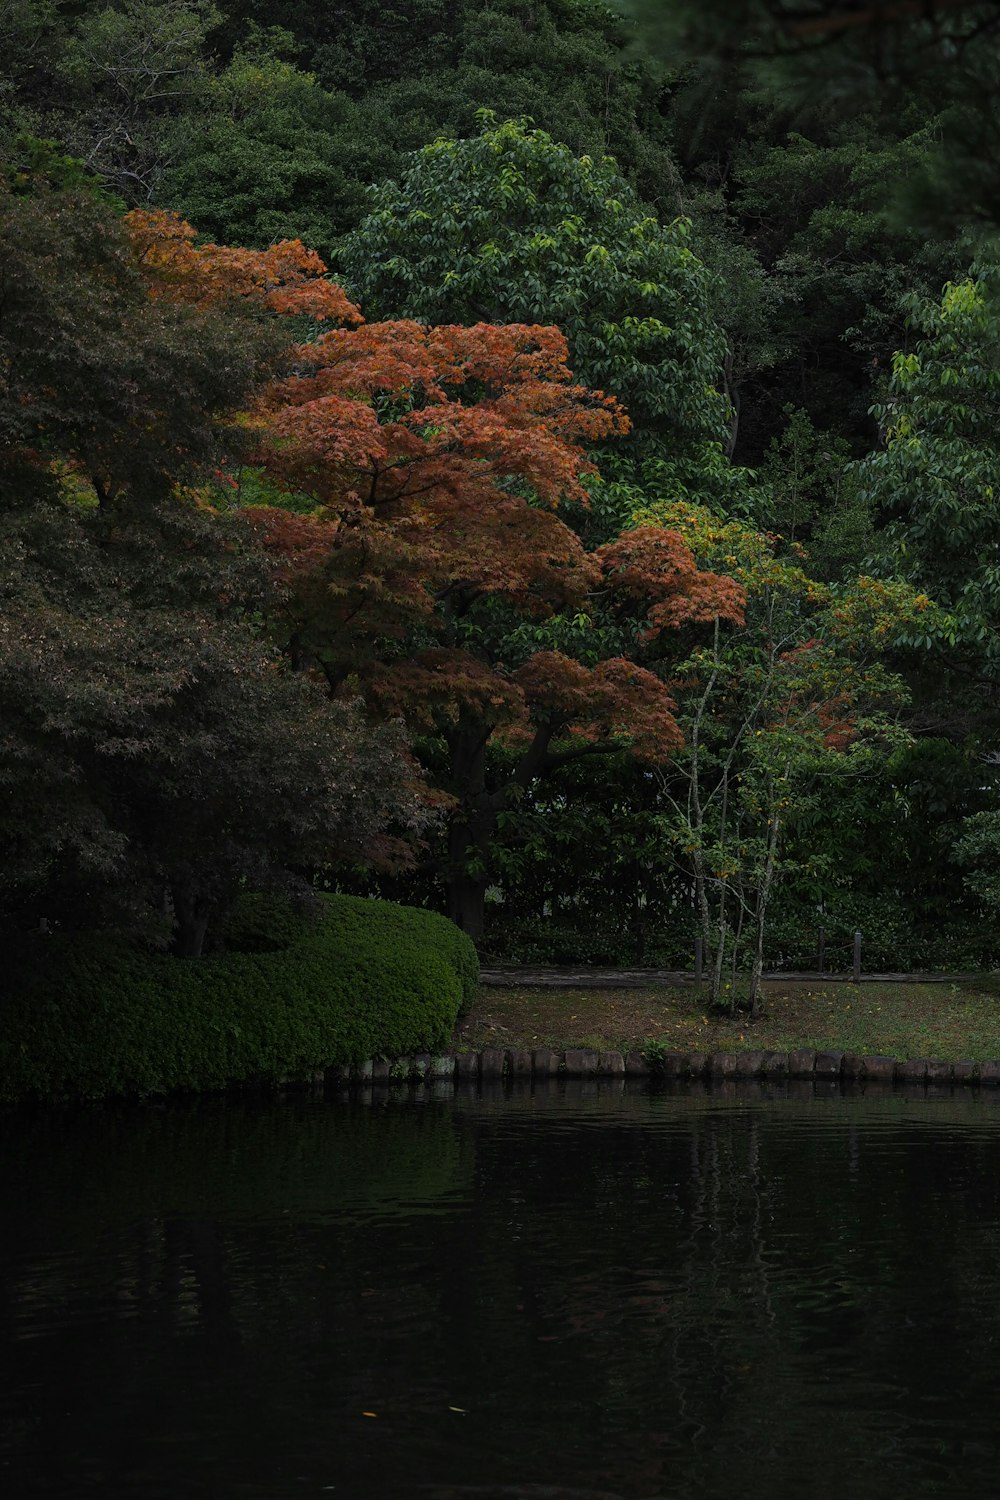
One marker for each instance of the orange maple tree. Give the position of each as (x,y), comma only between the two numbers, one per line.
(436,573)
(424,560)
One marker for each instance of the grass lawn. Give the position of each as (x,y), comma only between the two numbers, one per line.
(947,1021)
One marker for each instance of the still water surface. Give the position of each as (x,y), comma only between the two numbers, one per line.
(679,1295)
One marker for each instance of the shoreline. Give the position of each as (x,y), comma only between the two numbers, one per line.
(546,1064)
(502,1070)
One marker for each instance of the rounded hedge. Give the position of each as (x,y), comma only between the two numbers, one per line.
(93,1017)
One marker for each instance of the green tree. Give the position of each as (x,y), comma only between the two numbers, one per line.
(932,486)
(978,848)
(584,871)
(777,712)
(270,154)
(423,68)
(808,492)
(139,395)
(124,77)
(243,124)
(511,227)
(880,855)
(795,205)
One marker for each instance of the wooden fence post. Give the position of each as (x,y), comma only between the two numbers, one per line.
(857,958)
(821,945)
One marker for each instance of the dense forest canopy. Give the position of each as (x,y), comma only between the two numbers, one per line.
(647,525)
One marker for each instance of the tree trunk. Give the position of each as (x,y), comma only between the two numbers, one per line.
(190,920)
(733,396)
(763,896)
(467,905)
(470,828)
(473,824)
(466,876)
(719,956)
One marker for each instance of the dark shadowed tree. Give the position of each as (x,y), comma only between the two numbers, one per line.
(155,751)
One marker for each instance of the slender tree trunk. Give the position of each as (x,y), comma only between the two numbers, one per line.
(760,916)
(737,935)
(722,919)
(732,394)
(696,822)
(715,983)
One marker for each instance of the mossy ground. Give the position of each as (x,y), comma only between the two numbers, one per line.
(949,1021)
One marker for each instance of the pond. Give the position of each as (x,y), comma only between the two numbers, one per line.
(751,1292)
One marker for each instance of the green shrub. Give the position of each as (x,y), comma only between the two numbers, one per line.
(264,923)
(94,1016)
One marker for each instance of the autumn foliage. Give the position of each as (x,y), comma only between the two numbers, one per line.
(286,278)
(422,546)
(438,459)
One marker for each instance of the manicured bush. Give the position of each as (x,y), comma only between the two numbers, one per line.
(266,923)
(93,1017)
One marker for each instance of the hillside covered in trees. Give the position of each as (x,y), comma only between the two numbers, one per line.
(505,456)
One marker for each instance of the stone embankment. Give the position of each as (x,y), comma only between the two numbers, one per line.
(497,1065)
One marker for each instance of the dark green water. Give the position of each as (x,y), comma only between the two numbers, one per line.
(684,1295)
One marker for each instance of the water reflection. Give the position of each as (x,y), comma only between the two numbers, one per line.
(588,1287)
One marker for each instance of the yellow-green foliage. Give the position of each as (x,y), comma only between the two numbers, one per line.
(94,1017)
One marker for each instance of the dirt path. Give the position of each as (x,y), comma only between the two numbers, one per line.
(563,976)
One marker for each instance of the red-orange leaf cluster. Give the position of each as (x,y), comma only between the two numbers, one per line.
(435,410)
(437,459)
(615,701)
(287,278)
(653,569)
